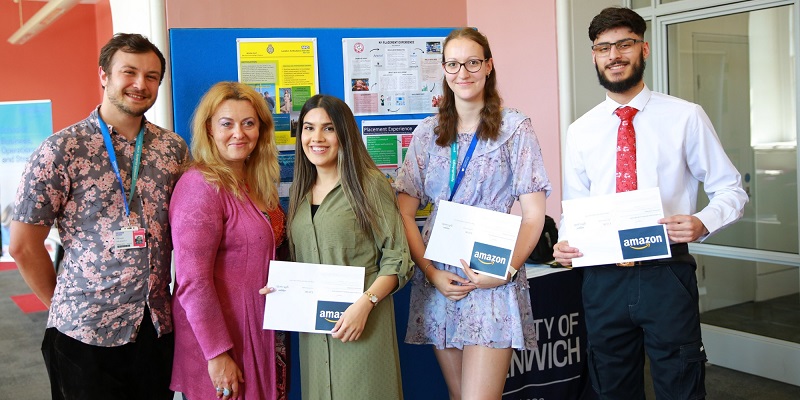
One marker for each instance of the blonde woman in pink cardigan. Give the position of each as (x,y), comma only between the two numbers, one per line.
(226,226)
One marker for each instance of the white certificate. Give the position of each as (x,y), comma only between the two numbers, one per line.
(310,297)
(484,237)
(620,227)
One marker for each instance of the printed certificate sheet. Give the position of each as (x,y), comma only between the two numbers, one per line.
(482,237)
(310,297)
(617,228)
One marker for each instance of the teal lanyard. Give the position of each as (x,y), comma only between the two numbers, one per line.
(112,157)
(455,180)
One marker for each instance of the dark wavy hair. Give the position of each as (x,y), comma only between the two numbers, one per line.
(353,163)
(129,43)
(616,17)
(491,114)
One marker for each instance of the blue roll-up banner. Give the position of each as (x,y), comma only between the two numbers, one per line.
(25,125)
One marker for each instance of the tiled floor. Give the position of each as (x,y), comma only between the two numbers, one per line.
(22,325)
(24,375)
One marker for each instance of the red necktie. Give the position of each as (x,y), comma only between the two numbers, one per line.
(626,150)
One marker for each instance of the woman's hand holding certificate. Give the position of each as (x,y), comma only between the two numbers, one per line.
(484,237)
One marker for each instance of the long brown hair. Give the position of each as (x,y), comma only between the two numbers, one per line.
(261,168)
(491,113)
(354,164)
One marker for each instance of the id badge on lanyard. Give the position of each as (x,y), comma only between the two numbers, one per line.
(131,237)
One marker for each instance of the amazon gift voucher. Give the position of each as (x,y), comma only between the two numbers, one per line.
(648,241)
(328,314)
(490,259)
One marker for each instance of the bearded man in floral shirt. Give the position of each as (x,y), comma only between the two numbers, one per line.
(105,182)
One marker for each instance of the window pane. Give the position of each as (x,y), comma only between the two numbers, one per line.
(640,3)
(753,297)
(648,72)
(740,68)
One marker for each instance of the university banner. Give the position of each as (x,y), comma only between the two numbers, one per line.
(556,369)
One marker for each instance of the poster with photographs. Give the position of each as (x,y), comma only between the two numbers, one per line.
(388,76)
(285,72)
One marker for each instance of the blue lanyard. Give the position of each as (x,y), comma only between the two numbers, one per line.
(456,180)
(112,157)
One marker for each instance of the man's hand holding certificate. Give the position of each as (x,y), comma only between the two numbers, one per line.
(483,238)
(617,228)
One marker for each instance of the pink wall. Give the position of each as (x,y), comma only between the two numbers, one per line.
(314,13)
(59,64)
(527,64)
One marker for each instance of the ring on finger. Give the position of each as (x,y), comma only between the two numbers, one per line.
(226,392)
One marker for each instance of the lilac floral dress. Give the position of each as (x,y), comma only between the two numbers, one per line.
(499,172)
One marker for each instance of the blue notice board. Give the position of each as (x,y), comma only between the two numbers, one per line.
(202,57)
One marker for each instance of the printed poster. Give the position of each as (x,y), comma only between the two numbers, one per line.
(389,76)
(387,143)
(286,163)
(285,72)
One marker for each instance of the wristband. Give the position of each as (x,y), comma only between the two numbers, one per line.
(424,272)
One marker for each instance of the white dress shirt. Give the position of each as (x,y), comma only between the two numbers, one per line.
(676,148)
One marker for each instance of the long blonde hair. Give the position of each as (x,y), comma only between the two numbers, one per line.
(261,167)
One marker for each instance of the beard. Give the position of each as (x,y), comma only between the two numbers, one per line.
(626,84)
(116,96)
(120,105)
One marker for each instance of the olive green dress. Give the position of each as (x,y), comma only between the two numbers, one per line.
(370,367)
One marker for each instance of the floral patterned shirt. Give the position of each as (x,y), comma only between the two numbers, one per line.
(101,293)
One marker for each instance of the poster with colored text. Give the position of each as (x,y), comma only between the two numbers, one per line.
(285,72)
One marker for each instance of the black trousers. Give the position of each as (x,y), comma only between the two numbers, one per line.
(135,371)
(652,308)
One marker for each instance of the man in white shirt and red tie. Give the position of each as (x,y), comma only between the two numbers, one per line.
(638,139)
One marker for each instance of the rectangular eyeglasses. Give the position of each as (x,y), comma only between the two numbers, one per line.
(623,46)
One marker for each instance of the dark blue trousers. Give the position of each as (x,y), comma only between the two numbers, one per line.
(652,308)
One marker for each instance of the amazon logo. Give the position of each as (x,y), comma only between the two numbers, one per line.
(328,314)
(644,242)
(489,258)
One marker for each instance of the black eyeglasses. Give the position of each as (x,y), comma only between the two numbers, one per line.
(474,65)
(623,46)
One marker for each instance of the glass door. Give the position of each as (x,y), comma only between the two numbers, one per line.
(740,67)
